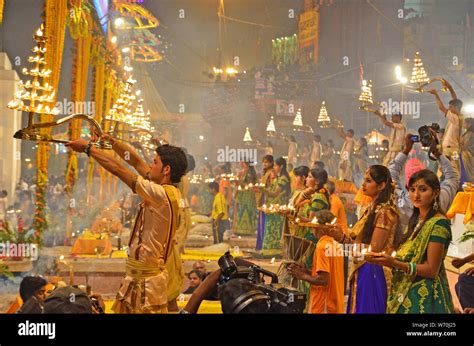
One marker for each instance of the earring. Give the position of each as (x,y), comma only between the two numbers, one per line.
(435,205)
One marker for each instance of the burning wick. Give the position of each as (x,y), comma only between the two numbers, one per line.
(334,221)
(315,220)
(272,260)
(394,254)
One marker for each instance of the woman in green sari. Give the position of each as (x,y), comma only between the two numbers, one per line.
(277,193)
(246,220)
(298,184)
(419,281)
(314,199)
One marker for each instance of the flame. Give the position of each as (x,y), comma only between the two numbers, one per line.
(39,32)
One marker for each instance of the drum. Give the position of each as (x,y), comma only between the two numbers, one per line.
(296,250)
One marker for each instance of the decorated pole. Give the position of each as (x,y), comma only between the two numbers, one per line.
(79,26)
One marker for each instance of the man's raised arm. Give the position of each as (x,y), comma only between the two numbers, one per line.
(105,160)
(441,106)
(129,155)
(383,118)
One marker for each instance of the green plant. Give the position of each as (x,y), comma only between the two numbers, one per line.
(5,272)
(8,234)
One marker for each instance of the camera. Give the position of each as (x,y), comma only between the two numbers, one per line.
(283,300)
(96,305)
(427,137)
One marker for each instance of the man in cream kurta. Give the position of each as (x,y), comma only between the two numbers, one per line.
(347,150)
(397,136)
(452,135)
(144,287)
(316,150)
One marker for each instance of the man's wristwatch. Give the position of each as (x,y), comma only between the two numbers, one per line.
(87,150)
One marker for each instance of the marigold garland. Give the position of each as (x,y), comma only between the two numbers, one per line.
(55,29)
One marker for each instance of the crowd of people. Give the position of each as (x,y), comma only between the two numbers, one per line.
(390,261)
(401,227)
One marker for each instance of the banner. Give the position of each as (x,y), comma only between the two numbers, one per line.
(308,28)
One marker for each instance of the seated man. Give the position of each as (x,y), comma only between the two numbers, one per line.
(195,278)
(201,266)
(68,300)
(33,294)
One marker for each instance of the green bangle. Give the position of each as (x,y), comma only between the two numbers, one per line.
(414,269)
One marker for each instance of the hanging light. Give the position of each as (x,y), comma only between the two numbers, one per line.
(419,74)
(366,93)
(271,131)
(298,120)
(247,138)
(323,117)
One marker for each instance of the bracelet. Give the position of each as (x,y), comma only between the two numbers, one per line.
(411,270)
(87,150)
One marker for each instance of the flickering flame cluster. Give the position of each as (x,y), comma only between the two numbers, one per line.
(323,115)
(198,178)
(366,93)
(298,121)
(367,252)
(277,208)
(229,176)
(122,109)
(36,95)
(121,112)
(315,221)
(271,130)
(418,74)
(250,186)
(247,136)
